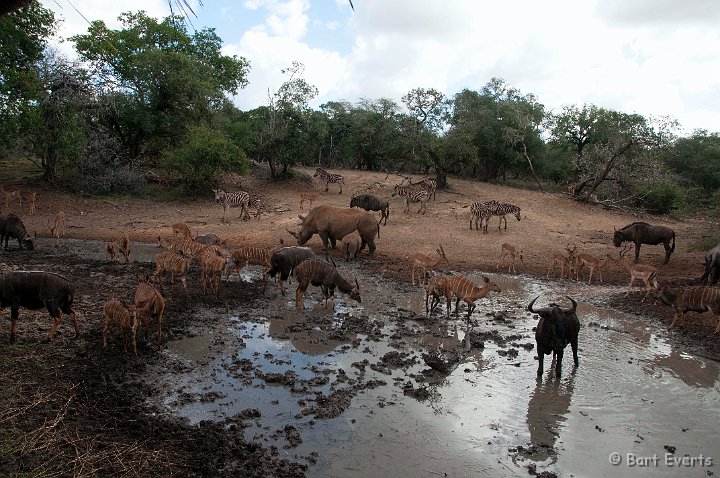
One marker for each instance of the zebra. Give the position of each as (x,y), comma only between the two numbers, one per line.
(256,203)
(329,178)
(501,209)
(480,211)
(430,185)
(239,199)
(413,194)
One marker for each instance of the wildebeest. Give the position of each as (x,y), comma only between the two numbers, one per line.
(284,261)
(644,233)
(712,266)
(325,275)
(372,203)
(11,227)
(334,223)
(35,290)
(556,329)
(696,299)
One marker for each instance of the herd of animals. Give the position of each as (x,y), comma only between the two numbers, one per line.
(356,227)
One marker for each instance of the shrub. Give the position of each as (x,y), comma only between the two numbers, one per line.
(660,197)
(203,157)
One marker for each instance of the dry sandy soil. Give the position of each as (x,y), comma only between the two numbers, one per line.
(76,409)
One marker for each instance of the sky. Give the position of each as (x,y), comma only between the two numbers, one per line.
(652,57)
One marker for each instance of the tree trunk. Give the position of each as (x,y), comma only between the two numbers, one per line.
(532,168)
(608,167)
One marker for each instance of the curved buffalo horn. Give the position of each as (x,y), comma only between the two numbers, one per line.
(530,305)
(302,218)
(574,307)
(293,234)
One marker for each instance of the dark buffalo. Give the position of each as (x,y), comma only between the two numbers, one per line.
(556,329)
(11,227)
(712,266)
(372,203)
(644,233)
(35,290)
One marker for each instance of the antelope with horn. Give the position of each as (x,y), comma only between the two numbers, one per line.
(563,260)
(647,274)
(592,263)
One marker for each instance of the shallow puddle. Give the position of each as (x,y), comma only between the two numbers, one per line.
(272,368)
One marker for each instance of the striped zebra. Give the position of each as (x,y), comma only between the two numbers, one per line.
(480,211)
(501,209)
(256,203)
(239,199)
(430,185)
(413,194)
(329,178)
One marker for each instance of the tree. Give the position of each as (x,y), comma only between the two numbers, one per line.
(428,109)
(605,140)
(161,79)
(24,36)
(286,119)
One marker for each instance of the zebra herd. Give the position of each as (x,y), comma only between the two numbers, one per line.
(419,192)
(482,211)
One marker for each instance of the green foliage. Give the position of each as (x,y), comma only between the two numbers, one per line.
(697,159)
(110,181)
(163,80)
(660,197)
(203,156)
(23,37)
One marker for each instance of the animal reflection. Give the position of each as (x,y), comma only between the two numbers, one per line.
(547,410)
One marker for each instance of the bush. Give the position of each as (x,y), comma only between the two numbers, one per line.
(120,180)
(661,197)
(203,157)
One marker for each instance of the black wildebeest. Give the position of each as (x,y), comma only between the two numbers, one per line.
(11,227)
(372,203)
(712,266)
(644,233)
(35,290)
(556,329)
(285,259)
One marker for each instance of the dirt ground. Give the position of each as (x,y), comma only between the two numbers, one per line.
(78,409)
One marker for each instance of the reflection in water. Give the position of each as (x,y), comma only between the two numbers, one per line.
(547,409)
(691,370)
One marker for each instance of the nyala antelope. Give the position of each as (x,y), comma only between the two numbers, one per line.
(325,275)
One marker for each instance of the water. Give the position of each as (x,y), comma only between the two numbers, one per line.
(633,393)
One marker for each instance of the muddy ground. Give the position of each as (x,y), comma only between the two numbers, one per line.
(76,408)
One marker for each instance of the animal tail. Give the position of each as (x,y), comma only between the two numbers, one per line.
(672,249)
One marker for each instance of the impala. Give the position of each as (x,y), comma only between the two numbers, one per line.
(426,263)
(591,263)
(648,274)
(512,253)
(563,260)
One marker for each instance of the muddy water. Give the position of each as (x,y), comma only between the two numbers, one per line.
(271,368)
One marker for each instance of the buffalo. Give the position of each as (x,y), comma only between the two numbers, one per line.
(644,233)
(556,329)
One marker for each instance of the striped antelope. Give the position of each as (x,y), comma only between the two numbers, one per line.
(463,288)
(182,228)
(125,246)
(150,305)
(324,274)
(256,256)
(213,267)
(480,211)
(502,209)
(329,178)
(510,252)
(239,199)
(696,299)
(122,317)
(427,263)
(592,263)
(412,194)
(308,196)
(173,263)
(111,250)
